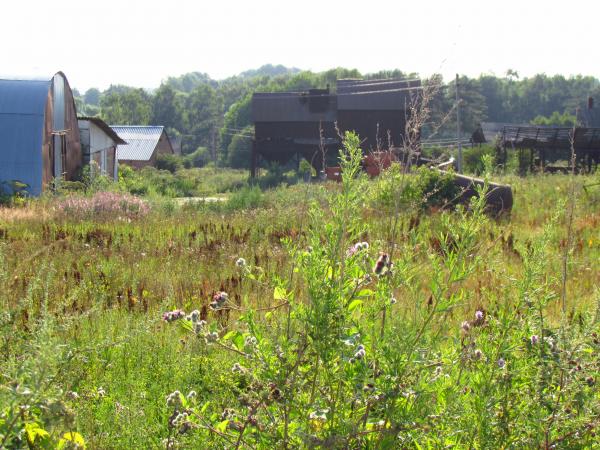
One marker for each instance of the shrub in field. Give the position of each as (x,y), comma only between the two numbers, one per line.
(245,198)
(420,189)
(103,204)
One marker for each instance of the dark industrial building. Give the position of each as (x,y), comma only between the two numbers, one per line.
(303,124)
(547,144)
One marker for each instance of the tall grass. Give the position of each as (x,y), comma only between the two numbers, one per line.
(447,332)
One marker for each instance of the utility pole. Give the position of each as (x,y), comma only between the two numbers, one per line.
(458,137)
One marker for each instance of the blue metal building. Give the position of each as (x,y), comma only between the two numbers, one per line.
(39,134)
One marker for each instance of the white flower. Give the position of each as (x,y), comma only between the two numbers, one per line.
(240,262)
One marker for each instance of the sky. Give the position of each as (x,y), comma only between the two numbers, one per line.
(141,43)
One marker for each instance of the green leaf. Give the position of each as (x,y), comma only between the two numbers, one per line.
(222,427)
(35,433)
(279,293)
(354,304)
(238,341)
(365,293)
(230,335)
(70,440)
(204,408)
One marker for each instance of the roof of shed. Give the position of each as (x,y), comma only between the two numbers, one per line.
(104,127)
(141,139)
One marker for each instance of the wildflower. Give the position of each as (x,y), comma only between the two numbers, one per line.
(360,352)
(195,315)
(465,327)
(382,262)
(478,354)
(73,395)
(352,250)
(174,399)
(393,300)
(219,300)
(199,326)
(238,368)
(228,414)
(240,262)
(479,316)
(101,392)
(501,363)
(364,245)
(534,339)
(171,316)
(250,341)
(191,395)
(212,337)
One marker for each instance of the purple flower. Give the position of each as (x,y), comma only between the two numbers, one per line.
(534,339)
(219,300)
(478,316)
(171,316)
(501,363)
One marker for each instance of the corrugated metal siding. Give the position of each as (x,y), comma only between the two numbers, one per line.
(141,141)
(22,107)
(291,107)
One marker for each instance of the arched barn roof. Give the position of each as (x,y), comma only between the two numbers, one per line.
(22,109)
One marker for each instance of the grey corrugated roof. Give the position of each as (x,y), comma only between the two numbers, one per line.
(22,109)
(141,139)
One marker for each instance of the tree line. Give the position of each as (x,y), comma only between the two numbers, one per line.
(213,117)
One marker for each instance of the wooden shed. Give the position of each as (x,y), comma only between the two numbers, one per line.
(39,133)
(99,146)
(144,144)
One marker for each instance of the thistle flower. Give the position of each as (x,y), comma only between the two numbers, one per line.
(501,363)
(171,316)
(479,316)
(212,337)
(174,399)
(199,326)
(195,315)
(240,262)
(191,395)
(382,262)
(465,327)
(219,300)
(534,339)
(478,354)
(360,352)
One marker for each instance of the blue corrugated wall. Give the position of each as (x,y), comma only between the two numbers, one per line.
(22,107)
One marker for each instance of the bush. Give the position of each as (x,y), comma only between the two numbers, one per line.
(172,163)
(473,158)
(246,198)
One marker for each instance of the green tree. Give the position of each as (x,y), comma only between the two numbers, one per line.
(129,107)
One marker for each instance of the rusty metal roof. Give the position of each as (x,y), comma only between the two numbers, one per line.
(141,139)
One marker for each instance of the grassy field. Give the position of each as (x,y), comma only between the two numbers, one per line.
(450,329)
